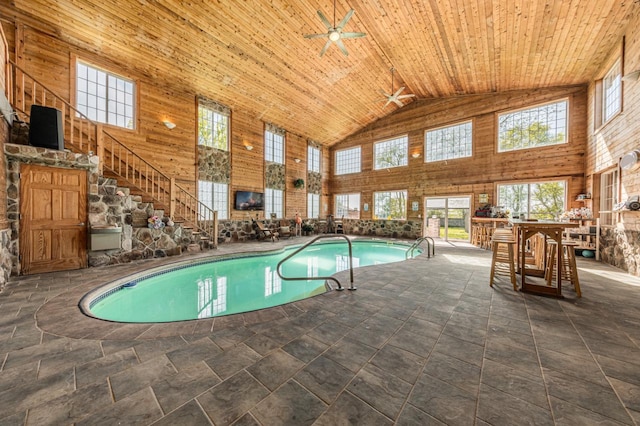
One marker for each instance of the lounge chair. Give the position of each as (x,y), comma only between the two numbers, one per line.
(264,233)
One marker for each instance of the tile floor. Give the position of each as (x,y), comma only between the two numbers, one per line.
(422,342)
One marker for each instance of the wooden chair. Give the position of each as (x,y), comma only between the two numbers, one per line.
(568,269)
(265,233)
(503,260)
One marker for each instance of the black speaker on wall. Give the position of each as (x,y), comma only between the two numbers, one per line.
(45,128)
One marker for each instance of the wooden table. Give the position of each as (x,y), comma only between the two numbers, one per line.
(525,229)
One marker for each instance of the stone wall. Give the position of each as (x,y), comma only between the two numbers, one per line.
(384,228)
(114,206)
(314,183)
(108,205)
(5,257)
(620,247)
(214,165)
(275,177)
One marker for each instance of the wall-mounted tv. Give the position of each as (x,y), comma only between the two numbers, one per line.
(248,200)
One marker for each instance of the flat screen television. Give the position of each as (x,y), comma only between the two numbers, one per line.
(248,200)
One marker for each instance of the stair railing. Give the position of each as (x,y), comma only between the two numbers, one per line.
(431,247)
(82,135)
(340,288)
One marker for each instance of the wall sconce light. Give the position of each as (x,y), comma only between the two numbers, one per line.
(415,155)
(632,76)
(170,125)
(628,161)
(297,160)
(248,147)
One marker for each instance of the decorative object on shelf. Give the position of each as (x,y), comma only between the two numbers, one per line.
(582,197)
(154,222)
(581,213)
(298,183)
(170,222)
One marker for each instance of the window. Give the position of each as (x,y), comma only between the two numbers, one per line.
(541,200)
(213,125)
(212,300)
(390,205)
(313,205)
(612,92)
(533,127)
(608,197)
(348,161)
(391,153)
(273,147)
(215,196)
(348,205)
(448,142)
(313,159)
(274,202)
(104,97)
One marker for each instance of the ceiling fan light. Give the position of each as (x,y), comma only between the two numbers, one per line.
(334,36)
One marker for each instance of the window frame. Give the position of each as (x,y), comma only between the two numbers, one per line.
(313,159)
(427,149)
(339,213)
(269,200)
(215,203)
(376,204)
(399,141)
(529,183)
(313,205)
(616,95)
(273,153)
(83,110)
(567,117)
(352,169)
(608,209)
(227,117)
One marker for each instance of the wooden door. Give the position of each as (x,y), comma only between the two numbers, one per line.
(53,217)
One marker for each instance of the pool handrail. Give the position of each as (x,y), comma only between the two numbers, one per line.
(319,237)
(431,247)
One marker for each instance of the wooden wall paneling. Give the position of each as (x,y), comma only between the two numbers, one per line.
(486,167)
(247,168)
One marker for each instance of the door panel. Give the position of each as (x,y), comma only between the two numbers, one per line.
(53,211)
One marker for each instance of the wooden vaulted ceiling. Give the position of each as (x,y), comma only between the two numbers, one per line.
(251,54)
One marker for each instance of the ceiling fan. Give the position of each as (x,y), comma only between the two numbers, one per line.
(395,96)
(334,32)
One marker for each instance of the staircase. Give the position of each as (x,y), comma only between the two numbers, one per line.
(116,160)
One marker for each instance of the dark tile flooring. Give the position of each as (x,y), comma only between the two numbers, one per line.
(422,342)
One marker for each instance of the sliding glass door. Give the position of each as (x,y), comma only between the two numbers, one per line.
(448,218)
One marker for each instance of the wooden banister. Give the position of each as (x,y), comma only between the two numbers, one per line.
(82,135)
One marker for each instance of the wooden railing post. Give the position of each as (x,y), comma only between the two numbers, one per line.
(172,197)
(214,237)
(99,148)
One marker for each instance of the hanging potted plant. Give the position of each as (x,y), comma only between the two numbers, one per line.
(298,183)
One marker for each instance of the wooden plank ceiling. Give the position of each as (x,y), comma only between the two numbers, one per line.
(251,54)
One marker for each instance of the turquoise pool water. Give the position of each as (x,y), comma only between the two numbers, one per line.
(234,285)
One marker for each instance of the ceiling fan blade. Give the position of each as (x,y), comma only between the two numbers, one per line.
(385,93)
(315,35)
(395,95)
(400,104)
(352,35)
(341,46)
(326,46)
(324,20)
(405,96)
(345,19)
(388,102)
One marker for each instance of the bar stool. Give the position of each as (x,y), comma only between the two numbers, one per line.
(568,271)
(503,259)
